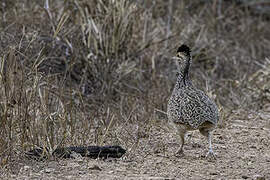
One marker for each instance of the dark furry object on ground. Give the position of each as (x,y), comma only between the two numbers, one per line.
(90,151)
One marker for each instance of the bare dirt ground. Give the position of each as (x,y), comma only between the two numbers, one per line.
(242,149)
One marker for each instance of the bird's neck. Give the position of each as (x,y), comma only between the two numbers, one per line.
(183,73)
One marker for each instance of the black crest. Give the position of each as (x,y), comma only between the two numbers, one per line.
(185,49)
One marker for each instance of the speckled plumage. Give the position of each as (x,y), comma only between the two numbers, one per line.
(190,108)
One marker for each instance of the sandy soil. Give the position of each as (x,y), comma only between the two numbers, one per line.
(242,149)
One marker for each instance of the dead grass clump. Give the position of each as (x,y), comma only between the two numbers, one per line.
(27,108)
(258,85)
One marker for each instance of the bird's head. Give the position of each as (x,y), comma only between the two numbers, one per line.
(183,60)
(183,53)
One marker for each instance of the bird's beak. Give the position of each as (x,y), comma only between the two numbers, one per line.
(175,58)
(179,56)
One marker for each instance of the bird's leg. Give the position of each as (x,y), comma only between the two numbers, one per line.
(188,136)
(210,152)
(207,133)
(180,150)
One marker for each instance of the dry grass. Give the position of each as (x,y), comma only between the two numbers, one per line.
(100,72)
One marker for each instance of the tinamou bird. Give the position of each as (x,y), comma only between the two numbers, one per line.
(190,108)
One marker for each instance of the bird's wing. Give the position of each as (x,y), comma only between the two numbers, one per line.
(194,109)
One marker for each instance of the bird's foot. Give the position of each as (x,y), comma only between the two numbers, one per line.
(179,153)
(211,155)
